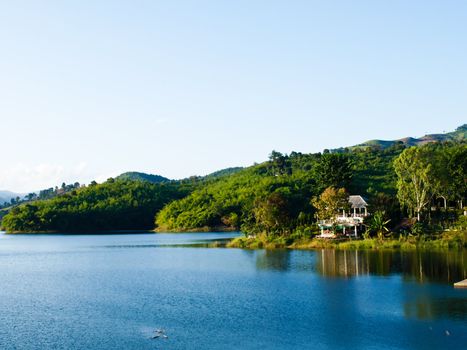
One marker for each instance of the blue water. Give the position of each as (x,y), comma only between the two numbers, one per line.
(113,291)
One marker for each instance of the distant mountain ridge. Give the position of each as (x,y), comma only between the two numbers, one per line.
(6,196)
(459,135)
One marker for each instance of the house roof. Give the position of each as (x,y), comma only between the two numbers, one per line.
(357,202)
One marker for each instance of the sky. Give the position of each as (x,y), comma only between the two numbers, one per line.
(90,89)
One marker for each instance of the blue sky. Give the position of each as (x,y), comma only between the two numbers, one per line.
(90,89)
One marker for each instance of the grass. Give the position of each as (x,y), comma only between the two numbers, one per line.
(163,229)
(260,241)
(446,240)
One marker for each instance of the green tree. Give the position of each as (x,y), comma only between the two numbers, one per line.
(388,204)
(440,159)
(115,205)
(271,213)
(334,170)
(415,179)
(278,163)
(378,224)
(457,169)
(231,220)
(330,202)
(31,196)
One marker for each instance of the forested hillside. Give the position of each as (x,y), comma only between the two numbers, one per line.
(113,205)
(273,197)
(286,184)
(276,196)
(137,176)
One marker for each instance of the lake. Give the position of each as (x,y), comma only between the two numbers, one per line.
(112,291)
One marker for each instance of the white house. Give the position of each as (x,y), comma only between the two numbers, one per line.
(349,220)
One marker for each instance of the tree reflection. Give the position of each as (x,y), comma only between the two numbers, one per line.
(426,307)
(418,266)
(278,259)
(423,274)
(421,266)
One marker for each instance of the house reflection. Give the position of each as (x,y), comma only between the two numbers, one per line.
(421,295)
(418,266)
(442,267)
(343,263)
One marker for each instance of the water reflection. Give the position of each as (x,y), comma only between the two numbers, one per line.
(425,294)
(426,307)
(273,260)
(421,266)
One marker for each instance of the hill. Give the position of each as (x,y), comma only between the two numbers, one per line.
(137,176)
(113,205)
(274,196)
(290,181)
(459,135)
(6,196)
(223,172)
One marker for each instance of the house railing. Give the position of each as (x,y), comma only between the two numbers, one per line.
(342,220)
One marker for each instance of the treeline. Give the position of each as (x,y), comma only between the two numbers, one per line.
(48,193)
(429,173)
(113,205)
(276,196)
(273,197)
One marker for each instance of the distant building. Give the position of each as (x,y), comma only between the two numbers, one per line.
(359,206)
(350,221)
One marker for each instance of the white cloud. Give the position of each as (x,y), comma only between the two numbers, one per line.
(103,177)
(23,177)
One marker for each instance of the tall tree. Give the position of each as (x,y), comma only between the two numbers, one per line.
(278,163)
(330,202)
(416,182)
(439,160)
(31,196)
(271,213)
(334,170)
(457,169)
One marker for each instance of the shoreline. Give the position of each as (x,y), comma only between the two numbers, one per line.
(83,232)
(198,230)
(449,240)
(452,240)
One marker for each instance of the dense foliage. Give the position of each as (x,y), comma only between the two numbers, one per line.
(109,206)
(373,170)
(274,197)
(137,176)
(431,171)
(330,202)
(47,193)
(231,201)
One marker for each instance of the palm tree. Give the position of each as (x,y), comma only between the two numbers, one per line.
(377,224)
